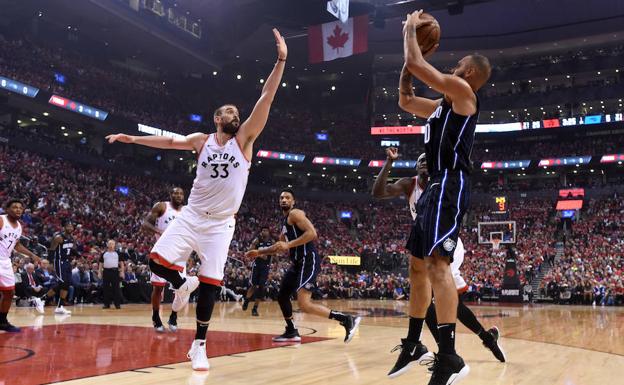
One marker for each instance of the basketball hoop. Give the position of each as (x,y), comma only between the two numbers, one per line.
(495,244)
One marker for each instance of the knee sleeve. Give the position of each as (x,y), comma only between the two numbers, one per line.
(206,300)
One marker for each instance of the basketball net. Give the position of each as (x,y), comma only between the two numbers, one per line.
(495,244)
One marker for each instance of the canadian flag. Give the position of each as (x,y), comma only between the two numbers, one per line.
(335,40)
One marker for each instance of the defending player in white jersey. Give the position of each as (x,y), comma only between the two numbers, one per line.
(412,350)
(206,224)
(10,233)
(156,222)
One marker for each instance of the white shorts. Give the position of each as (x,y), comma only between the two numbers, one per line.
(209,236)
(7,277)
(157,281)
(458,259)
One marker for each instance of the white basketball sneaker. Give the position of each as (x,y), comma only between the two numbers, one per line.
(182,295)
(38,305)
(197,355)
(62,311)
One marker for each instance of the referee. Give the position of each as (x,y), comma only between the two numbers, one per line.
(113,265)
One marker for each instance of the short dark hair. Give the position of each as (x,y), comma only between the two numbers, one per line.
(219,110)
(288,190)
(13,200)
(66,221)
(265,227)
(483,65)
(177,188)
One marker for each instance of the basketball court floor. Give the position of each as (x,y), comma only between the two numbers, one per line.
(545,345)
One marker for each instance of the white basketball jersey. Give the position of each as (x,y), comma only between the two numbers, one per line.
(414,196)
(9,236)
(166,218)
(221,180)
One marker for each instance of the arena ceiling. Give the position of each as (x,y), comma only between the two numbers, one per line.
(239,30)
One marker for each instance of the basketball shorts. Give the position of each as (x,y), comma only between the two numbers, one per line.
(259,275)
(7,276)
(209,236)
(63,270)
(440,211)
(158,281)
(302,274)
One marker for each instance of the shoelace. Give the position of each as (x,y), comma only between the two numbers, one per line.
(432,363)
(398,347)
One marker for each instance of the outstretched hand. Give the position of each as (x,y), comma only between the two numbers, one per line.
(123,138)
(282,48)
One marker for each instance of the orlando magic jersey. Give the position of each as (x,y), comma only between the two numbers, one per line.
(263,263)
(293,232)
(449,138)
(64,250)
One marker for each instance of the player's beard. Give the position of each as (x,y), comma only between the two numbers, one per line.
(231,128)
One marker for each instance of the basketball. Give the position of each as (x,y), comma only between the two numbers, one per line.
(428,35)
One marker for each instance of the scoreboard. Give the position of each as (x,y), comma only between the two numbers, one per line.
(500,205)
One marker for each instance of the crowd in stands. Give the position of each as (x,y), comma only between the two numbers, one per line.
(592,269)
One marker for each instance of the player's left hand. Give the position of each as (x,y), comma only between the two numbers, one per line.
(252,254)
(282,48)
(414,21)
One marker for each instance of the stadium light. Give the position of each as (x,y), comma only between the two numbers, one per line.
(62,127)
(289,172)
(283,84)
(45,114)
(297,86)
(261,81)
(79,132)
(19,122)
(239,77)
(290,165)
(214,73)
(333,88)
(308,174)
(181,158)
(33,119)
(66,134)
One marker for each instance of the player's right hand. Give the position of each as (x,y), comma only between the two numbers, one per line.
(252,254)
(392,153)
(123,138)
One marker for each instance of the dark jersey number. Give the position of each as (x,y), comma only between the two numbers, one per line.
(215,171)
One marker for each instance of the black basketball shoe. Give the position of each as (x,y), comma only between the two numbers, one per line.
(245,304)
(448,369)
(7,327)
(288,336)
(254,312)
(350,324)
(411,353)
(493,345)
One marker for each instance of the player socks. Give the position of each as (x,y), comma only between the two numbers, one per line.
(447,338)
(415,329)
(432,323)
(338,316)
(170,275)
(3,318)
(202,329)
(467,317)
(290,324)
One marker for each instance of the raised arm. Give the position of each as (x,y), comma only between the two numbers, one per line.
(253,126)
(454,87)
(419,106)
(149,223)
(190,142)
(381,188)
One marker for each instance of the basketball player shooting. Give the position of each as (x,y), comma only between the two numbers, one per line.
(413,351)
(449,137)
(206,224)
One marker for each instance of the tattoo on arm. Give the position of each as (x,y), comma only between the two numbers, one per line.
(406,83)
